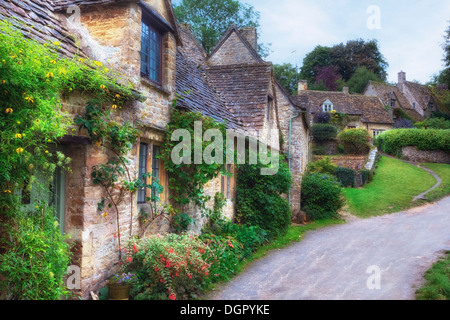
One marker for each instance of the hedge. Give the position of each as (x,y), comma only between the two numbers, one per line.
(355,141)
(393,141)
(324,132)
(345,176)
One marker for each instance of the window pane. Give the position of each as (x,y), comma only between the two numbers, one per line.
(142,171)
(155,167)
(145,49)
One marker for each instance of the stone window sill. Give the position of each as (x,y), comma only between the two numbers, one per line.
(153,85)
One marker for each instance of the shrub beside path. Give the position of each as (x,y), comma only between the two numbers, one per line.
(342,262)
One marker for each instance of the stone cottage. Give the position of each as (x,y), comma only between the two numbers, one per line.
(365,111)
(139,40)
(415,100)
(235,84)
(142,41)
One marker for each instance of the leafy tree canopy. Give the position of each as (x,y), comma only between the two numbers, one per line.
(288,76)
(210,19)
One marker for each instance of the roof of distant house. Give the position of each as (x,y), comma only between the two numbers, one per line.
(371,109)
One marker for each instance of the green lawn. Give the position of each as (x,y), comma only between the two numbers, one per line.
(443,171)
(392,190)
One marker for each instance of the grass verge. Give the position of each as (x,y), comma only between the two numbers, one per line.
(437,285)
(392,190)
(443,171)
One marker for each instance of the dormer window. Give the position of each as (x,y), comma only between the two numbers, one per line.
(431,105)
(328,106)
(392,103)
(414,105)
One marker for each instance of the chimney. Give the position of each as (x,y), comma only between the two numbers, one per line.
(346,90)
(302,85)
(401,77)
(251,35)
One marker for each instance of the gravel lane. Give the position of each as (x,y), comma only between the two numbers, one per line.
(382,258)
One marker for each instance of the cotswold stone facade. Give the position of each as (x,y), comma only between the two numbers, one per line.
(232,84)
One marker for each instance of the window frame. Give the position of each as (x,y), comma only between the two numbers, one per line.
(140,166)
(151,28)
(327,105)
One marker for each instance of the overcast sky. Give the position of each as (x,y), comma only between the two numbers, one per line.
(410,32)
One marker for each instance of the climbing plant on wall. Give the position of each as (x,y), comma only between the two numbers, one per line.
(33,77)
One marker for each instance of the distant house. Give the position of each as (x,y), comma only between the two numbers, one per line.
(414,99)
(365,111)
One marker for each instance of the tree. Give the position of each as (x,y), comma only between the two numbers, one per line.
(288,76)
(209,19)
(319,57)
(359,81)
(328,76)
(347,58)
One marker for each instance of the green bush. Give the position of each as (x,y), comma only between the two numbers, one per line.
(393,141)
(321,196)
(345,176)
(259,200)
(322,166)
(36,261)
(366,176)
(434,123)
(324,132)
(355,141)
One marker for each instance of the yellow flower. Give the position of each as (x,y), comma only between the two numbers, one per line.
(56,43)
(50,75)
(9,110)
(105,215)
(46,151)
(53,61)
(62,71)
(19,150)
(114,107)
(117,96)
(29,99)
(8,191)
(98,63)
(18,122)
(3,81)
(103,87)
(18,136)
(80,60)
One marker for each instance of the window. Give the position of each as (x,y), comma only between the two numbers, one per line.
(414,105)
(392,103)
(269,108)
(143,151)
(151,53)
(155,167)
(328,106)
(431,105)
(377,132)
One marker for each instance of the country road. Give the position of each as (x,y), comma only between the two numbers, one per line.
(382,258)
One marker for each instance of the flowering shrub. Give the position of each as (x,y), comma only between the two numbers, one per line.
(123,278)
(171,267)
(355,141)
(224,255)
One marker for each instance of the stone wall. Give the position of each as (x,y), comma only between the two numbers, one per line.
(352,162)
(233,51)
(418,156)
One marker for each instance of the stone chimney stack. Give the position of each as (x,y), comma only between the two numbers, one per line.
(302,85)
(346,90)
(251,35)
(401,77)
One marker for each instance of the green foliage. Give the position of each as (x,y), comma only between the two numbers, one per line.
(33,77)
(355,141)
(437,285)
(259,200)
(209,19)
(37,258)
(170,267)
(392,141)
(434,123)
(324,166)
(321,196)
(319,57)
(288,76)
(188,180)
(358,82)
(324,132)
(345,176)
(181,222)
(366,176)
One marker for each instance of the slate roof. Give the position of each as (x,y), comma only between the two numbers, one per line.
(421,93)
(245,89)
(371,109)
(386,92)
(38,20)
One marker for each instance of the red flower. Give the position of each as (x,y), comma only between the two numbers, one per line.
(172,297)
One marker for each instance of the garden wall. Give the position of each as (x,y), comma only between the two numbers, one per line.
(414,155)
